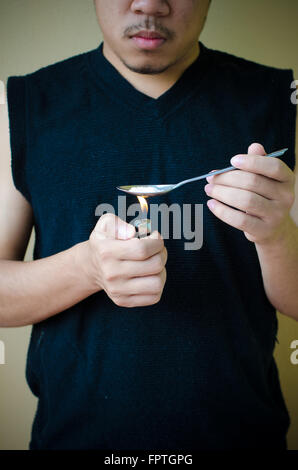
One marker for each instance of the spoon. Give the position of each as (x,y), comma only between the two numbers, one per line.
(159,189)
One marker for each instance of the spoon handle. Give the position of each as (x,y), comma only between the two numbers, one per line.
(278,153)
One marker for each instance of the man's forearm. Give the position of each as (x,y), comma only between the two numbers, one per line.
(279,264)
(35,290)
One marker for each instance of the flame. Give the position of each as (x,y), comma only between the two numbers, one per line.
(143,204)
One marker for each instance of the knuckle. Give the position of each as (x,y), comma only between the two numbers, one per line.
(242,223)
(250,237)
(254,181)
(156,298)
(141,252)
(157,284)
(276,167)
(113,291)
(252,225)
(92,236)
(158,265)
(105,218)
(220,211)
(130,302)
(134,245)
(110,274)
(103,251)
(250,201)
(120,301)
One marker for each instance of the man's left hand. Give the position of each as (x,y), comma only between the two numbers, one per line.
(262,190)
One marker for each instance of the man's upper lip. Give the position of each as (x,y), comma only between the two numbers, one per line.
(148,34)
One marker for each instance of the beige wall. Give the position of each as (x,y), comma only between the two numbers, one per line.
(34,33)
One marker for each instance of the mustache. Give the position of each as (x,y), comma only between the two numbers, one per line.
(157,28)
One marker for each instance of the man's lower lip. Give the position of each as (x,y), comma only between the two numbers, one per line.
(148,43)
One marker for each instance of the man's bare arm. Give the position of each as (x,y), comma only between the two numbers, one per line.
(35,290)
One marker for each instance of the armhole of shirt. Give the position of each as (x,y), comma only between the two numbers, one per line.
(286,115)
(16,102)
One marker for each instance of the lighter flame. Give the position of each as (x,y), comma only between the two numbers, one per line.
(143,204)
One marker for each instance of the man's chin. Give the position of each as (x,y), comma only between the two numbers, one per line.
(146,68)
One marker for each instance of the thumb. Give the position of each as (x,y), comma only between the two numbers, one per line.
(111,226)
(256,149)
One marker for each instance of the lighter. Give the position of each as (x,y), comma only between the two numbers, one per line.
(143,225)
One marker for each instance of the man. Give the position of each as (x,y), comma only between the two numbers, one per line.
(194,369)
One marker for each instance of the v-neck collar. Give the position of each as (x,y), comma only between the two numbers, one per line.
(107,76)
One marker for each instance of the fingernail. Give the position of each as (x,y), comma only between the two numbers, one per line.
(208,188)
(237,160)
(209,178)
(211,203)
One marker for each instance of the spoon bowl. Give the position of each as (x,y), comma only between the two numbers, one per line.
(147,190)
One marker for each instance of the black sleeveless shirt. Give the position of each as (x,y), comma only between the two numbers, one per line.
(196,370)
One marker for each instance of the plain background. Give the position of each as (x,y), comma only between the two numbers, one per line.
(35,33)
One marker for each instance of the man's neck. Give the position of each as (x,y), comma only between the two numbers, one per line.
(152,85)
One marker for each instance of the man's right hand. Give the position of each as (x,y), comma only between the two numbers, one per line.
(130,270)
